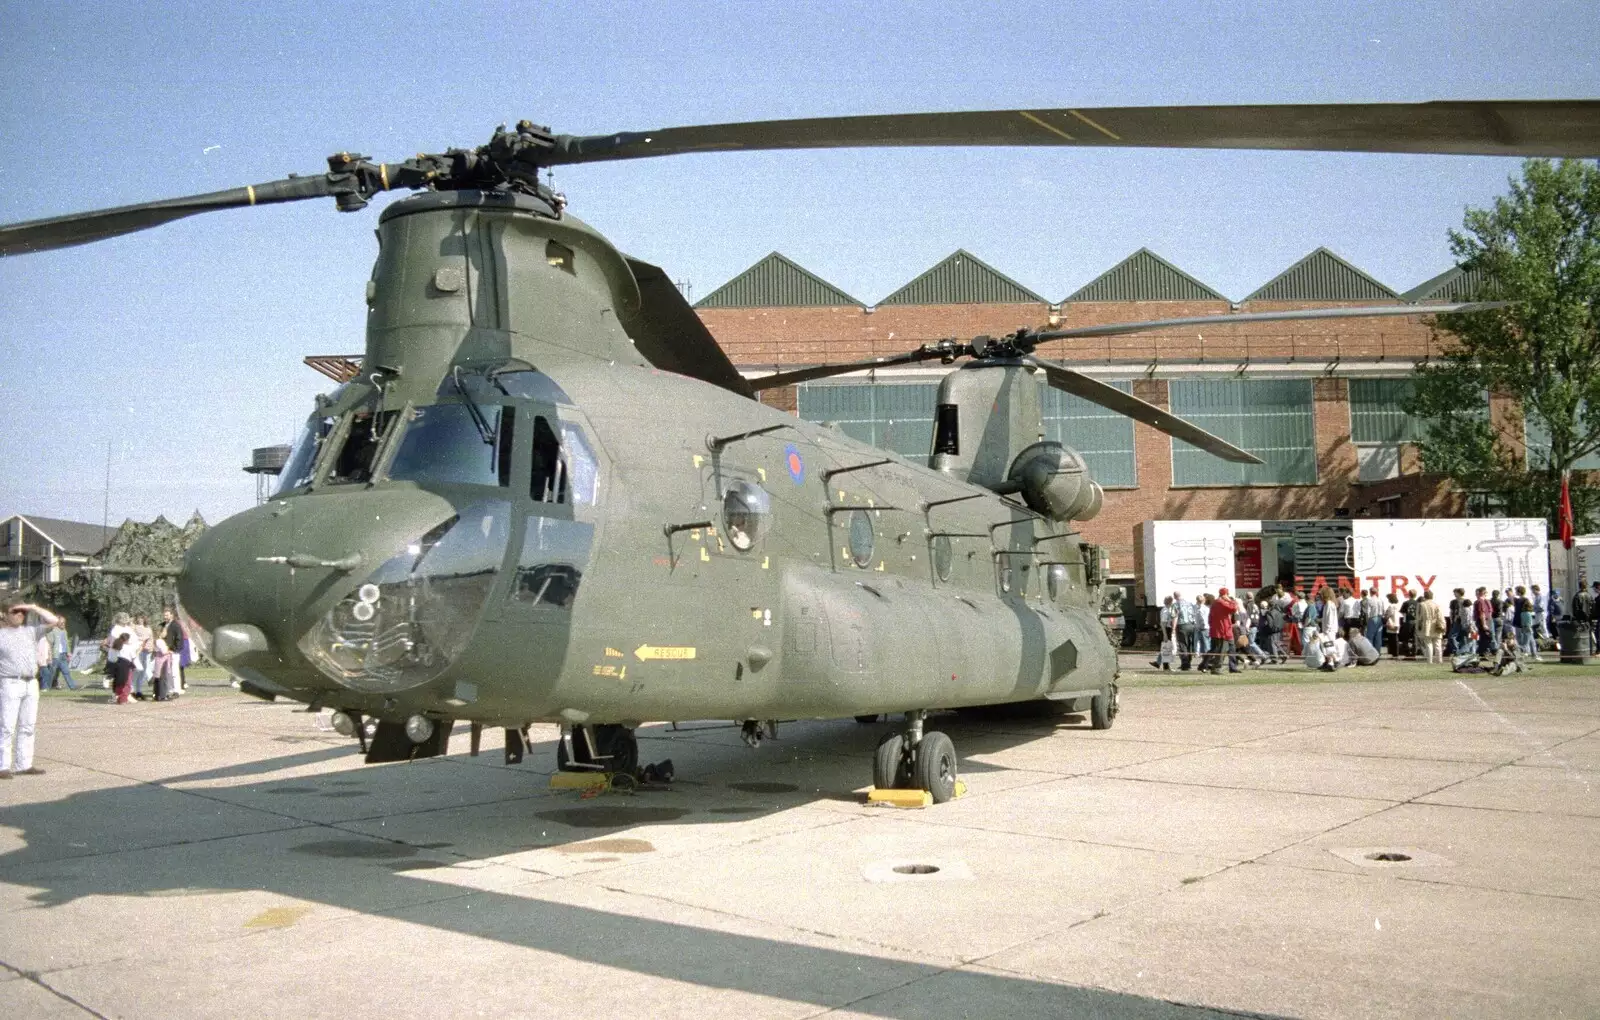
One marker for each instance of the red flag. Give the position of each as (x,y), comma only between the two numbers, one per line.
(1566,513)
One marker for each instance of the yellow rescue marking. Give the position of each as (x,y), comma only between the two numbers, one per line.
(841,495)
(579,781)
(762,472)
(705,557)
(277,917)
(765,563)
(695,535)
(755,614)
(698,460)
(880,566)
(251,192)
(900,798)
(612,653)
(1103,130)
(647,653)
(615,672)
(1048,127)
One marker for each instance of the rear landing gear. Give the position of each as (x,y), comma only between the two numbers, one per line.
(916,760)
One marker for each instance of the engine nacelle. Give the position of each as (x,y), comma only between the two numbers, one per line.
(1054,480)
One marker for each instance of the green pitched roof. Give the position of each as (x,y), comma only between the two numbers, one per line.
(1322,276)
(1454,284)
(775,282)
(1145,276)
(963,279)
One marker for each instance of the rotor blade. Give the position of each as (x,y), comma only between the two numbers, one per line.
(1109,397)
(1119,328)
(1488,128)
(671,336)
(82,228)
(800,375)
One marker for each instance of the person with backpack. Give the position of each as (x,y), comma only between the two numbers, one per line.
(1188,615)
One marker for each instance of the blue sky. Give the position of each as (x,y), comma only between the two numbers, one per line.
(179,348)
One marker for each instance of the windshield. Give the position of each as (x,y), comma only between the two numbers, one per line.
(443,443)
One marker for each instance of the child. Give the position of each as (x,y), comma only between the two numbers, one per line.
(121,671)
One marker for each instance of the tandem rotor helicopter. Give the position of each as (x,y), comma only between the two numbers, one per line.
(549,496)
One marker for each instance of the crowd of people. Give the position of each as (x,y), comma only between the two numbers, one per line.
(138,657)
(1331,628)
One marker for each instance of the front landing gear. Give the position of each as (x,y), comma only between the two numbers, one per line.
(597,749)
(916,760)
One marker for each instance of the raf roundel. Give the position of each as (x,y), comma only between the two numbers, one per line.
(796,464)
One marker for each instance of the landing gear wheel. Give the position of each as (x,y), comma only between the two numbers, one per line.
(889,768)
(868,720)
(1103,709)
(935,769)
(616,748)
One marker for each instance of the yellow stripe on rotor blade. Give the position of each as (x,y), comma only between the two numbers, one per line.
(1048,127)
(1098,127)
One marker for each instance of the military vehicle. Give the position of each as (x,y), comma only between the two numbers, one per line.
(549,496)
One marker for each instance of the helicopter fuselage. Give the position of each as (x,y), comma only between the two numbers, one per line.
(510,516)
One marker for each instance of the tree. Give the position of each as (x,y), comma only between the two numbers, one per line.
(1538,248)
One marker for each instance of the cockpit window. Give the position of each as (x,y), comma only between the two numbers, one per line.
(359,450)
(302,463)
(443,443)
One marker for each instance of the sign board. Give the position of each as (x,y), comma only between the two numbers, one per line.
(1246,564)
(1441,555)
(1191,557)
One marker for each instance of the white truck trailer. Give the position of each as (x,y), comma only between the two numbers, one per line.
(1393,555)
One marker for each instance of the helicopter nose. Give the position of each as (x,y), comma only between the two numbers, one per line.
(253,583)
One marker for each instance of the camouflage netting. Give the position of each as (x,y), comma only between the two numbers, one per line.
(91,599)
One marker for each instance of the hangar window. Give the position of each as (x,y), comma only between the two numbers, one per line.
(1271,418)
(1104,437)
(897,417)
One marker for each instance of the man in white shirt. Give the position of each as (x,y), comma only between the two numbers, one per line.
(19,686)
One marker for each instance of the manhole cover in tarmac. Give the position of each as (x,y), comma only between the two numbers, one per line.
(916,871)
(1390,857)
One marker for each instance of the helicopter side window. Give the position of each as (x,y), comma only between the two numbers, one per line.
(564,466)
(360,448)
(444,443)
(302,462)
(550,567)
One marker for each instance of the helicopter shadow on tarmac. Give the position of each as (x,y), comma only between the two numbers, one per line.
(442,845)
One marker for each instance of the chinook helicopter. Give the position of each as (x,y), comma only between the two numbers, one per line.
(549,496)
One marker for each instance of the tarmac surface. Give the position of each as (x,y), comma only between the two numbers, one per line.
(1210,855)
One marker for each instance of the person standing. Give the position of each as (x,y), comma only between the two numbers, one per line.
(19,686)
(1485,619)
(1169,633)
(1220,619)
(1430,627)
(145,650)
(1372,611)
(1188,615)
(1522,622)
(172,634)
(1391,625)
(121,624)
(1408,625)
(1541,612)
(58,666)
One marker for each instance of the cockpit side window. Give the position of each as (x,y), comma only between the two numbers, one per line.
(301,466)
(564,466)
(358,453)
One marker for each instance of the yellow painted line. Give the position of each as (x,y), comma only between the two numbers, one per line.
(900,798)
(647,653)
(277,917)
(705,557)
(1098,127)
(250,190)
(579,781)
(1048,127)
